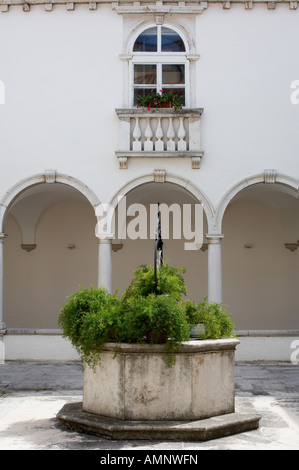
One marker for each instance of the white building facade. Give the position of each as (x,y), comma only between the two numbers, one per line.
(73,141)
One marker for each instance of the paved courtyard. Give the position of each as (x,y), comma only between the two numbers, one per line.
(31,394)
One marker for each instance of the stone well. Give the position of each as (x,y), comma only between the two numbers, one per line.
(134,395)
(138,385)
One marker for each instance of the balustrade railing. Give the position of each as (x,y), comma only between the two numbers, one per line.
(159,133)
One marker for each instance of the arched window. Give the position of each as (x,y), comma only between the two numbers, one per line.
(159,62)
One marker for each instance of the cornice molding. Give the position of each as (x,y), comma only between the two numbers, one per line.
(145,7)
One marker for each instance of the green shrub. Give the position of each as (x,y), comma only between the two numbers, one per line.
(168,320)
(89,319)
(217,321)
(135,319)
(92,317)
(170,281)
(156,319)
(191,312)
(169,325)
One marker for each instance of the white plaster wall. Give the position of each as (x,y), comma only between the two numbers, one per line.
(64,79)
(247,62)
(267,348)
(38,347)
(46,346)
(63,82)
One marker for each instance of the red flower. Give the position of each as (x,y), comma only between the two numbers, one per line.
(148,108)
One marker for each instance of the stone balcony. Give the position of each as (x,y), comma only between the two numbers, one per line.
(159,133)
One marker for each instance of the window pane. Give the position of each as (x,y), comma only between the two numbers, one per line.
(171,41)
(177,91)
(145,74)
(146,41)
(141,92)
(173,74)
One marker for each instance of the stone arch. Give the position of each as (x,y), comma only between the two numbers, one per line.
(49,177)
(169,178)
(259,219)
(267,177)
(145,191)
(51,215)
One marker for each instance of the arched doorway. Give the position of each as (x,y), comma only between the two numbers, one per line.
(260,258)
(135,245)
(50,250)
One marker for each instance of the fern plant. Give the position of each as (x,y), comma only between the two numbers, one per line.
(92,317)
(89,319)
(170,281)
(214,316)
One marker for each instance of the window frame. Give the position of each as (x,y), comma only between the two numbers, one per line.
(159,58)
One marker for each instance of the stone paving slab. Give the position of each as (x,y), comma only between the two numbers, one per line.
(18,375)
(31,395)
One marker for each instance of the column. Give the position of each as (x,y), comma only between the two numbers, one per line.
(2,324)
(214,268)
(105,263)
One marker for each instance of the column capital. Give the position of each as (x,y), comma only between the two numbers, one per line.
(105,238)
(2,237)
(214,238)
